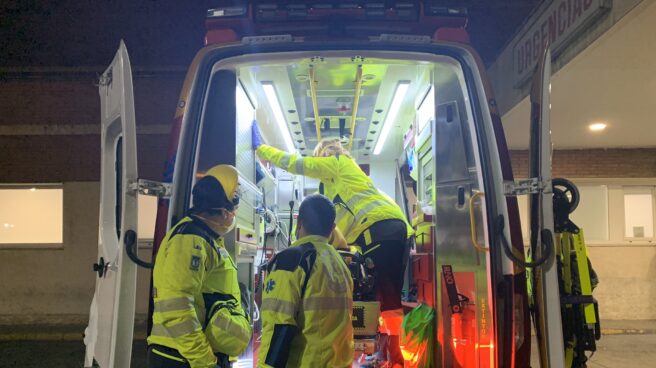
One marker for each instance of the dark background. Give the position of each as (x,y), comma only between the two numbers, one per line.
(70,33)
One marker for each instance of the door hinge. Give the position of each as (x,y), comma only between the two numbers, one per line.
(525,186)
(105,79)
(151,188)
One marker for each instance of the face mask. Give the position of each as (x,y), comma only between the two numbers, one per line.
(221,227)
(232,224)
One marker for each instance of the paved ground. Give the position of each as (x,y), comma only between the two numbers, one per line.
(621,351)
(625,344)
(55,354)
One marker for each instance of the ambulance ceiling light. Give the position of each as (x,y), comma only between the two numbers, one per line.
(278,116)
(392,112)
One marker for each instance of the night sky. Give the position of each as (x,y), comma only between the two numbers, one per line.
(69,33)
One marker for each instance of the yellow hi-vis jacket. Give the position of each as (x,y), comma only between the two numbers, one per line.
(308,290)
(357,202)
(196,294)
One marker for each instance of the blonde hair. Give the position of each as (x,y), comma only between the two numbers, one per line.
(330,147)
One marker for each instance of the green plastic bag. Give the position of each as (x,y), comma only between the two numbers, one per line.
(418,337)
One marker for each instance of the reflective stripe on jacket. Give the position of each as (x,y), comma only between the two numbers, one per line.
(197,303)
(357,201)
(320,312)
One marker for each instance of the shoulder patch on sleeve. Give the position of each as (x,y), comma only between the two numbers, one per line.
(195,263)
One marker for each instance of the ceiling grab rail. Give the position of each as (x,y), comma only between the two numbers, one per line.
(315,107)
(356,100)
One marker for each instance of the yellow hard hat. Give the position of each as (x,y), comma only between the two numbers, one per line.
(219,188)
(228,176)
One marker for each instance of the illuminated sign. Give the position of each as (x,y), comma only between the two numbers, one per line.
(558,24)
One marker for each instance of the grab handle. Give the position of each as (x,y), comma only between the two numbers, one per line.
(472,220)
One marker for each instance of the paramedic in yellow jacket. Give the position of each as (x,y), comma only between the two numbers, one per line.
(198,319)
(367,218)
(308,298)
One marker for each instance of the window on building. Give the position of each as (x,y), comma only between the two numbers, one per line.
(146,219)
(31,215)
(638,212)
(591,215)
(609,212)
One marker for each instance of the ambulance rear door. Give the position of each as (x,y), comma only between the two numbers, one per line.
(546,296)
(108,337)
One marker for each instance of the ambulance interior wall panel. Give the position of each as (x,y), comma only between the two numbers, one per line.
(286,190)
(218,129)
(456,176)
(226,136)
(383,174)
(245,114)
(244,156)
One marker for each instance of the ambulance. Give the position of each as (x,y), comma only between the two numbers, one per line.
(399,84)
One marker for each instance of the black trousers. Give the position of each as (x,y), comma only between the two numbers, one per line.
(388,249)
(164,357)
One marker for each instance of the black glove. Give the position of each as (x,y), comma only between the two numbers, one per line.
(222,360)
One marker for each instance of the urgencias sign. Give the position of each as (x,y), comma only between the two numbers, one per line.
(558,24)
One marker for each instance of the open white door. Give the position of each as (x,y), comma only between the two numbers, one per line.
(546,294)
(108,337)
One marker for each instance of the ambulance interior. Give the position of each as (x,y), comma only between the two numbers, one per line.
(407,120)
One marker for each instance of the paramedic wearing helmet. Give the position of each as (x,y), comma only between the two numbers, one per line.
(367,218)
(308,297)
(199,320)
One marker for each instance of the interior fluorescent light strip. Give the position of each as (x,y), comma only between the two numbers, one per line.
(399,95)
(274,103)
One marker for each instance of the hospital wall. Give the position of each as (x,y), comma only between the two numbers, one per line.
(53,137)
(626,269)
(55,285)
